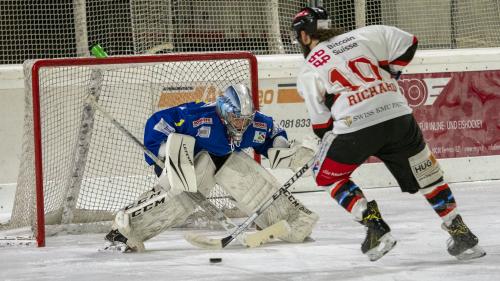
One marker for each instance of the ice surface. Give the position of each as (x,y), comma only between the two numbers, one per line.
(333,255)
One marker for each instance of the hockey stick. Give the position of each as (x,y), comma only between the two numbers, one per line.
(254,239)
(215,243)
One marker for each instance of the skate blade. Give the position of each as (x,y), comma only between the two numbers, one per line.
(472,253)
(120,247)
(115,248)
(387,242)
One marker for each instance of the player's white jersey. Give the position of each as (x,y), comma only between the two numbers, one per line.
(353,70)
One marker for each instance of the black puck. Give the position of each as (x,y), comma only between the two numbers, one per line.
(215,260)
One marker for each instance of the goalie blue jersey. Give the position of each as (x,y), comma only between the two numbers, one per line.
(202,122)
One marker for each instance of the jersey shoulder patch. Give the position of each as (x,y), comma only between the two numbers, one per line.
(202,121)
(163,127)
(259,137)
(259,125)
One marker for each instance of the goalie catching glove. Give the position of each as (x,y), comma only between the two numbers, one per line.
(294,156)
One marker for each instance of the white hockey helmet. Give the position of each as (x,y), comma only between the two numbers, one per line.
(235,108)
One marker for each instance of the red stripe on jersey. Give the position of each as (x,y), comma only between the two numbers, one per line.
(353,201)
(336,188)
(383,63)
(404,62)
(400,62)
(436,191)
(324,125)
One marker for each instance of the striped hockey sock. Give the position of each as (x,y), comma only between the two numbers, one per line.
(350,197)
(442,201)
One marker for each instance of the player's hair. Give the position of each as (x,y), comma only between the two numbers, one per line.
(327,34)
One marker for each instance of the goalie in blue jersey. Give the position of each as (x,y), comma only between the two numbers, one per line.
(215,134)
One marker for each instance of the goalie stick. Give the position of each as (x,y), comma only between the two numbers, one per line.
(219,243)
(254,239)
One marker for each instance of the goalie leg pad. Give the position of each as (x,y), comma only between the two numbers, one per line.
(157,210)
(205,172)
(152,214)
(299,217)
(250,185)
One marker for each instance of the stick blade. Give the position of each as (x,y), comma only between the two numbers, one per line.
(203,242)
(263,236)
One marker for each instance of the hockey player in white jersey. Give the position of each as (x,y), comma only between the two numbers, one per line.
(348,82)
(215,134)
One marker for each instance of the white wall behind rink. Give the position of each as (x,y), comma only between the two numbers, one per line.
(273,71)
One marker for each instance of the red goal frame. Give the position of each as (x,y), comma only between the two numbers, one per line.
(47,63)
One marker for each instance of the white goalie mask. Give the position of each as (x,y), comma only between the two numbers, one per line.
(235,108)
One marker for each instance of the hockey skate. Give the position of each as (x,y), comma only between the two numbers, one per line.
(462,244)
(116,242)
(379,240)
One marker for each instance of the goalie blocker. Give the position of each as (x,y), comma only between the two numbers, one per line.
(179,173)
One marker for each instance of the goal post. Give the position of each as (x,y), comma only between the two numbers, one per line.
(76,168)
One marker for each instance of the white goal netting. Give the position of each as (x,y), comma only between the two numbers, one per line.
(76,166)
(66,28)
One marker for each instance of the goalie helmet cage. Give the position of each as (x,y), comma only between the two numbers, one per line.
(76,167)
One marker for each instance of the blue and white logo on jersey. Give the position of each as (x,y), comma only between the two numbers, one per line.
(204,132)
(163,127)
(259,137)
